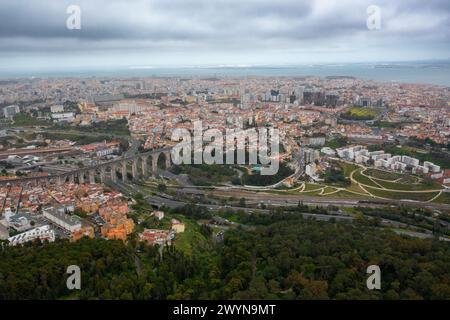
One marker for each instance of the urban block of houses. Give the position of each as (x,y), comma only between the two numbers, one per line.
(117,225)
(101,149)
(85,231)
(157,236)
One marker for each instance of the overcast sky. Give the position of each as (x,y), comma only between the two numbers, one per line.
(33,33)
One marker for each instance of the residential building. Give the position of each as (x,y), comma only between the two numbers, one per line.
(156,236)
(11,111)
(159,214)
(42,233)
(68,222)
(177,226)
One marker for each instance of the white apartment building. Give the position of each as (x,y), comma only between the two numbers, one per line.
(384,156)
(311,169)
(420,170)
(432,167)
(398,166)
(410,161)
(11,111)
(351,152)
(381,163)
(386,161)
(63,117)
(361,159)
(328,151)
(310,155)
(42,233)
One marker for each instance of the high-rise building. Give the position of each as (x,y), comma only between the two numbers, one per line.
(308,97)
(365,102)
(331,100)
(11,111)
(309,155)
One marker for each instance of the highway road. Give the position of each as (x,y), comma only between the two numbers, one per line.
(281,199)
(257,196)
(160,200)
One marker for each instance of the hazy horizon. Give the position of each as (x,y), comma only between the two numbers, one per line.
(419,72)
(178,33)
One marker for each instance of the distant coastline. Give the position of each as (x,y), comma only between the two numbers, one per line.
(421,73)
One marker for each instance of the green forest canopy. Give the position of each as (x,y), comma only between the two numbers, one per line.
(284,257)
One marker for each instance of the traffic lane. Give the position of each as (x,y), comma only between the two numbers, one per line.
(158,201)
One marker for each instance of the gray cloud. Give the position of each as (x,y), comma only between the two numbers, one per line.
(226,29)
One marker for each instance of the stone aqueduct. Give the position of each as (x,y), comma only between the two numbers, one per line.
(106,170)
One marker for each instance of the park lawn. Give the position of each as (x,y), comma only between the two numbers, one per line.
(311,193)
(329,189)
(357,113)
(348,168)
(363,112)
(409,187)
(443,198)
(380,174)
(419,196)
(409,179)
(356,188)
(25,120)
(343,194)
(364,180)
(312,187)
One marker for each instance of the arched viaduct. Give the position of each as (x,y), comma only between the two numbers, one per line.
(113,170)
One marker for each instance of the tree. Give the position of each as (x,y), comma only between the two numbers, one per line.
(162,187)
(306,288)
